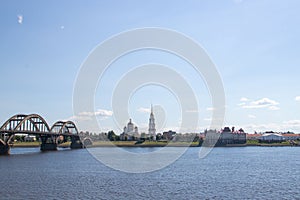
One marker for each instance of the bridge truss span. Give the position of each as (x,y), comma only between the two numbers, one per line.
(61,127)
(32,123)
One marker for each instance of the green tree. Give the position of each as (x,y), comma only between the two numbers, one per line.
(17,137)
(200,142)
(111,135)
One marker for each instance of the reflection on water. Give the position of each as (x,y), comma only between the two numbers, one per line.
(29,150)
(226,173)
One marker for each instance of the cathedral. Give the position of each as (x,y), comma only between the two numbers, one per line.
(130,132)
(152,130)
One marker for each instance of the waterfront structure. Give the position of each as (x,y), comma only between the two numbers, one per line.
(130,132)
(168,135)
(152,130)
(291,136)
(225,137)
(271,137)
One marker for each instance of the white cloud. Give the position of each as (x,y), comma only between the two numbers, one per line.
(294,122)
(252,116)
(297,98)
(144,110)
(243,99)
(20,19)
(62,27)
(104,113)
(250,128)
(86,116)
(100,112)
(290,125)
(262,103)
(79,117)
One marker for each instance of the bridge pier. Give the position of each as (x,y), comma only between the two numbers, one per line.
(76,143)
(48,147)
(48,143)
(4,149)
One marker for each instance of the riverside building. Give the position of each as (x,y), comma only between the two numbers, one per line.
(225,137)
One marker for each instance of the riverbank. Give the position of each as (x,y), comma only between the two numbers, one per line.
(149,144)
(35,144)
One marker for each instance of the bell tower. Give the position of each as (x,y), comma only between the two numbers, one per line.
(152,130)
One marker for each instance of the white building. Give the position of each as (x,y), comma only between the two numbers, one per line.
(289,136)
(227,136)
(129,132)
(152,130)
(271,137)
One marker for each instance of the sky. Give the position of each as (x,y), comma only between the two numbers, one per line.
(254,45)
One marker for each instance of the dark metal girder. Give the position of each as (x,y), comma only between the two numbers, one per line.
(22,119)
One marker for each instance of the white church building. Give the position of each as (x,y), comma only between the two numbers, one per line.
(130,132)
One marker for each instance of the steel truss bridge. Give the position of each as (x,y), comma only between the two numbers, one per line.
(34,124)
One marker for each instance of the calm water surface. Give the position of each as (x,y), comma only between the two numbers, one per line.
(226,173)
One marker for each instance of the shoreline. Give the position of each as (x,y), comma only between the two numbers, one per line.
(133,145)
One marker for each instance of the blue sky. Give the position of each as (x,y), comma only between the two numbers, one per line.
(253,43)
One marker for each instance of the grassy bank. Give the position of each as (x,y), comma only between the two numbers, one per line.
(36,144)
(279,144)
(26,144)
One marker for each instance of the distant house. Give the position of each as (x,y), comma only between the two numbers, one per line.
(227,136)
(168,135)
(289,136)
(253,136)
(271,137)
(30,138)
(232,137)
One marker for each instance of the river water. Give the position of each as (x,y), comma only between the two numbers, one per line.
(226,173)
